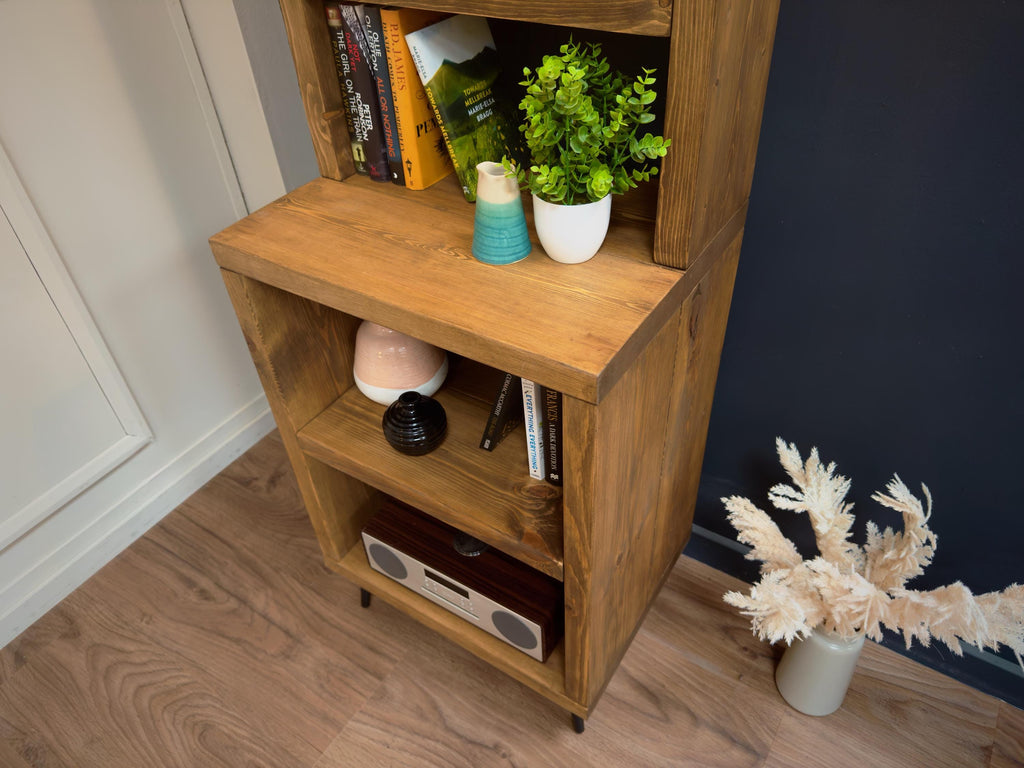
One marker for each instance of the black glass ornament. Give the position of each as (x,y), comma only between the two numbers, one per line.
(415,424)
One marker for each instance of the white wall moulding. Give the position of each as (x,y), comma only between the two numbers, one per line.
(44,583)
(69,417)
(106,216)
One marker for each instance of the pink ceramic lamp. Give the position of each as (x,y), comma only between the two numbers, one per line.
(388,363)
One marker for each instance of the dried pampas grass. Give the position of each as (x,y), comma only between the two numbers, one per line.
(852,590)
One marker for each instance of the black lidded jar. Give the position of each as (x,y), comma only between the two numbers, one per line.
(415,424)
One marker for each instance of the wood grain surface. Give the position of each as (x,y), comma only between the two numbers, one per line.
(575,328)
(629,494)
(720,58)
(547,678)
(641,17)
(488,494)
(305,23)
(220,639)
(303,354)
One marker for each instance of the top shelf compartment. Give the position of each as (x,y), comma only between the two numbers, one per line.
(641,17)
(403,259)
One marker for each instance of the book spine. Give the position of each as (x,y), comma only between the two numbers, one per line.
(534,434)
(505,413)
(551,424)
(432,98)
(341,62)
(366,115)
(374,29)
(424,155)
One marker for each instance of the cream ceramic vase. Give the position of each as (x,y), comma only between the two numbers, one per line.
(499,225)
(814,673)
(388,363)
(572,234)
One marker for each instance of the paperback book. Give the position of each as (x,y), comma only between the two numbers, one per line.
(425,157)
(373,27)
(359,91)
(551,425)
(534,433)
(336,29)
(457,63)
(506,412)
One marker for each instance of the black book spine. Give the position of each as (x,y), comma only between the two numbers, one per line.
(551,424)
(336,29)
(506,413)
(366,116)
(374,29)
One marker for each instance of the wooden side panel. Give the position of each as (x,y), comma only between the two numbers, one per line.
(631,481)
(306,25)
(303,353)
(686,107)
(579,459)
(721,52)
(701,335)
(613,463)
(740,77)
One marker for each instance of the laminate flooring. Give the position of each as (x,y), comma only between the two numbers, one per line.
(220,639)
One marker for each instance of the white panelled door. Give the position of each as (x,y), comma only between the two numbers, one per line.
(66,416)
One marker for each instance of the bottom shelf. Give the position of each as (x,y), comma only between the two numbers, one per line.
(548,678)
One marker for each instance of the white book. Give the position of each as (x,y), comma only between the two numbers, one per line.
(534,433)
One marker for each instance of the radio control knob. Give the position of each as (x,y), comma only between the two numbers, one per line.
(468,546)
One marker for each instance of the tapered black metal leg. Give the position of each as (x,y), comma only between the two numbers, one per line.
(364,598)
(578,723)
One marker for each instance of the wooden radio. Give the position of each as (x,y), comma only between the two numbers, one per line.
(487,588)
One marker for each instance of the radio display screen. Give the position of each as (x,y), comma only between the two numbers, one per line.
(445,583)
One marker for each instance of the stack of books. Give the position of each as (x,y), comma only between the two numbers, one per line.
(423,94)
(522,401)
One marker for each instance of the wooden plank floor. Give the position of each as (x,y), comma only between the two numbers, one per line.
(219,639)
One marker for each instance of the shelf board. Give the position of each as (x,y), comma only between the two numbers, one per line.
(546,678)
(403,259)
(642,17)
(488,494)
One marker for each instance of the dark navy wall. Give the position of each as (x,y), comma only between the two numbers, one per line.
(878,309)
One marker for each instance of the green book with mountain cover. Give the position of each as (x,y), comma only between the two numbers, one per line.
(457,62)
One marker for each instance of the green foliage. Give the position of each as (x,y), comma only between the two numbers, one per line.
(581,124)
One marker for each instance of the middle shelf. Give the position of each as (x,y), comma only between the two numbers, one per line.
(488,494)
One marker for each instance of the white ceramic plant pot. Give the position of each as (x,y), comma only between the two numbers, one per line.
(571,234)
(814,673)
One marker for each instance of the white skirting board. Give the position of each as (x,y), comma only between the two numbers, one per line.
(55,577)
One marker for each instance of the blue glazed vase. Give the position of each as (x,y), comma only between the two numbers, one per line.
(499,226)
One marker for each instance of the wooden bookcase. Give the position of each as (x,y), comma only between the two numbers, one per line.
(631,338)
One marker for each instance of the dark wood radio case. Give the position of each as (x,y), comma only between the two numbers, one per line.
(514,585)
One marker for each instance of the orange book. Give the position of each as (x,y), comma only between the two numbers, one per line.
(424,155)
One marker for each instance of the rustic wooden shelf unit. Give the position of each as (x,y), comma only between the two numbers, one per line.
(631,338)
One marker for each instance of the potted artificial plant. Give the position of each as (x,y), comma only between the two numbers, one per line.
(582,124)
(825,606)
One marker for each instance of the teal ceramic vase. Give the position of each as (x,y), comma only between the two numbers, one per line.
(499,226)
